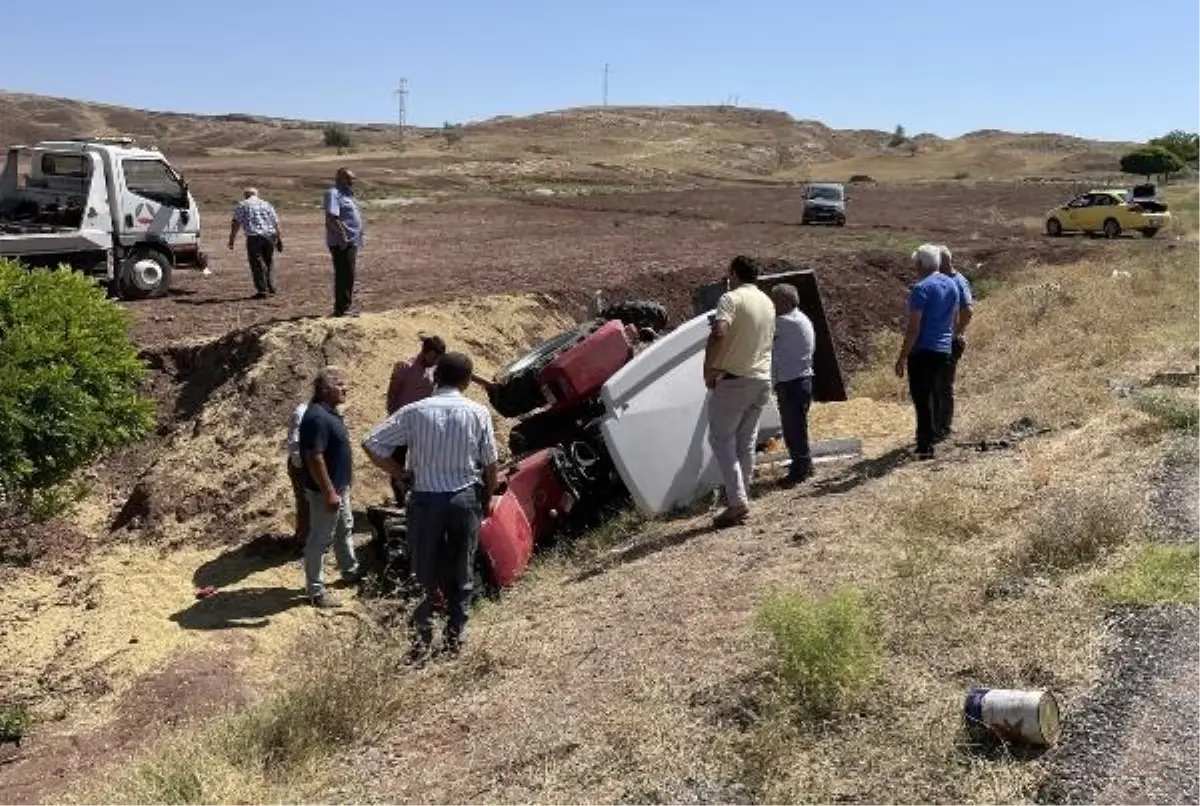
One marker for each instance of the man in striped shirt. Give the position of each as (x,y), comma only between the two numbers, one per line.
(452,459)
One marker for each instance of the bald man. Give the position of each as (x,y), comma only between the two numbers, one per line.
(256,217)
(344,237)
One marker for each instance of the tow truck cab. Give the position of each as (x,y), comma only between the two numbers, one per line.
(108,209)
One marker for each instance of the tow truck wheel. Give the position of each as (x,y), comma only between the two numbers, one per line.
(145,274)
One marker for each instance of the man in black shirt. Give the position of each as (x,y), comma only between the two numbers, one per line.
(325,449)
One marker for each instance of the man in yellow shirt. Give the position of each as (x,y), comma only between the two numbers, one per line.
(737,368)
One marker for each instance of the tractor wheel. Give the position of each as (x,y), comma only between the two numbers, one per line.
(641,313)
(517,390)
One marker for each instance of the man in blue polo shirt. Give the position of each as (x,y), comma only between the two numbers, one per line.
(325,448)
(344,237)
(933,303)
(966,309)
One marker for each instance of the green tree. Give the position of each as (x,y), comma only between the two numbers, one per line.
(1185,145)
(1149,161)
(337,137)
(69,380)
(899,138)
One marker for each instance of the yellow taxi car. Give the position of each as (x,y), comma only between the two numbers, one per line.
(1109,212)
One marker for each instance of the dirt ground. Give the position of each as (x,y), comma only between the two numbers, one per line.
(572,247)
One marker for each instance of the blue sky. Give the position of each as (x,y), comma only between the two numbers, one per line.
(1094,68)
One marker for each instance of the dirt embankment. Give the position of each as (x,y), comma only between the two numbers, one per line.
(862,292)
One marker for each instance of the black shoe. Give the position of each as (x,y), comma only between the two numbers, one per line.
(260,295)
(420,643)
(453,644)
(324,601)
(924,454)
(797,477)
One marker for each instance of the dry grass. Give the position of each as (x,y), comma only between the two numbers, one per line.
(642,681)
(344,694)
(1076,527)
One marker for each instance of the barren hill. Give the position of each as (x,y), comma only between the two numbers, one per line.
(623,146)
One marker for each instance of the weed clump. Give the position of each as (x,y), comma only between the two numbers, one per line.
(1075,528)
(825,650)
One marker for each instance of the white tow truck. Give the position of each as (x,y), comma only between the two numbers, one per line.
(102,206)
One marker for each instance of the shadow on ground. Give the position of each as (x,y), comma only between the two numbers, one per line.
(642,548)
(860,473)
(243,608)
(260,554)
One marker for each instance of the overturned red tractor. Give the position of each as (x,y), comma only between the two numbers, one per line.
(592,402)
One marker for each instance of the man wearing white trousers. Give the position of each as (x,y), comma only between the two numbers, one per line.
(737,370)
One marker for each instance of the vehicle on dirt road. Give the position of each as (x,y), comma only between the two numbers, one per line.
(606,419)
(104,207)
(824,203)
(1109,213)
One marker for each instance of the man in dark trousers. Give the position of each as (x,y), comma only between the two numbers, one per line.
(256,217)
(965,311)
(792,374)
(452,455)
(325,448)
(344,237)
(933,303)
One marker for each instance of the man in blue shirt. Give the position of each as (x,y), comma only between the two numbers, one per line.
(933,303)
(324,444)
(344,237)
(945,403)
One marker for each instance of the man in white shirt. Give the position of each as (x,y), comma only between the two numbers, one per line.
(792,373)
(295,471)
(452,459)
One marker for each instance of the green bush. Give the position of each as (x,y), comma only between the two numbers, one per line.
(825,649)
(337,137)
(69,380)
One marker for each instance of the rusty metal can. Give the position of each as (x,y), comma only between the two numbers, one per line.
(1015,716)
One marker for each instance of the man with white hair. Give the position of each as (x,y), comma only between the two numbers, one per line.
(256,216)
(792,376)
(933,304)
(945,407)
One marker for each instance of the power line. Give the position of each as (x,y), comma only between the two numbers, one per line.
(401,113)
(604,92)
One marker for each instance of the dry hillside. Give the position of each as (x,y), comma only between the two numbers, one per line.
(609,146)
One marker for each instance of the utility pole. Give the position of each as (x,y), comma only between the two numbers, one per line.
(604,92)
(402,95)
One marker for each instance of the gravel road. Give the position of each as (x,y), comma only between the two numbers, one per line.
(1135,740)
